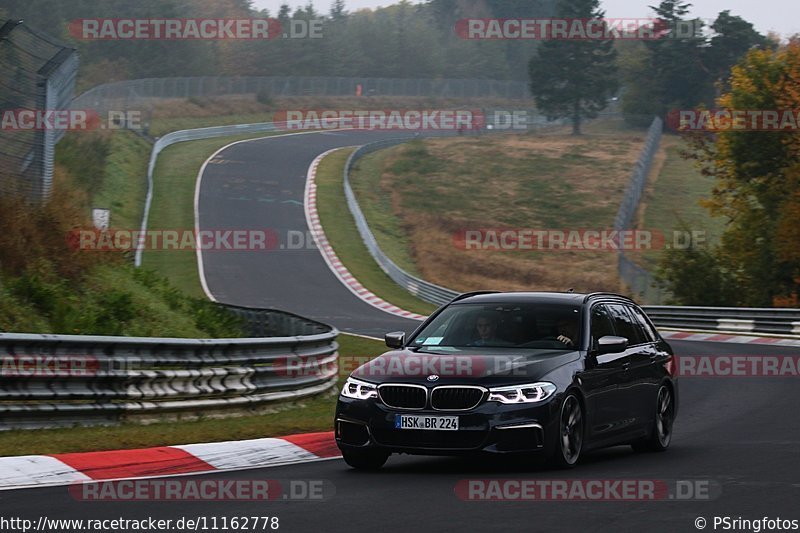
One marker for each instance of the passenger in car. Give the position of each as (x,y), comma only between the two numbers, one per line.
(567,332)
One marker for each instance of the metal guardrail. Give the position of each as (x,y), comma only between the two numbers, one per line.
(274,323)
(424,290)
(771,321)
(58,380)
(188,135)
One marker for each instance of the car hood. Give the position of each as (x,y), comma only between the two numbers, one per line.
(475,366)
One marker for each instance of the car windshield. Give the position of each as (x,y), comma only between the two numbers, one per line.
(525,325)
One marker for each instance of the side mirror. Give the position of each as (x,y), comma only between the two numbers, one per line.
(611,344)
(396,339)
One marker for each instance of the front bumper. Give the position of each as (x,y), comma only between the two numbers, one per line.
(489,427)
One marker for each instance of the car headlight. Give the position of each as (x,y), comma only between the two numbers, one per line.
(359,390)
(528,393)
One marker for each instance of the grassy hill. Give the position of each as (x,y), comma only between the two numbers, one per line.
(419,196)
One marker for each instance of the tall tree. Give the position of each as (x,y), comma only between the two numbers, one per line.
(641,98)
(574,78)
(684,67)
(733,37)
(338,10)
(758,182)
(676,62)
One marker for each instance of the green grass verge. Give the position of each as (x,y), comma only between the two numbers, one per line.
(173,207)
(673,201)
(161,126)
(47,285)
(419,195)
(341,231)
(125,185)
(309,415)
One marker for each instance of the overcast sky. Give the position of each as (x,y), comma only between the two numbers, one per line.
(781,16)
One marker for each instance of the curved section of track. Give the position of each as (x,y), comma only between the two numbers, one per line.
(259,185)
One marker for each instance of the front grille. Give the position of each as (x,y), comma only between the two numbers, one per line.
(403,396)
(456,398)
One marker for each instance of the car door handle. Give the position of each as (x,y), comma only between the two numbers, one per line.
(626,366)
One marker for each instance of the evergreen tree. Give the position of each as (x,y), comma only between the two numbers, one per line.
(338,10)
(574,78)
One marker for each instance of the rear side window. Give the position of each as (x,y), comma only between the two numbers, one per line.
(624,324)
(643,323)
(601,323)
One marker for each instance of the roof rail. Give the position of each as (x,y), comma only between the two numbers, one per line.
(613,294)
(471,293)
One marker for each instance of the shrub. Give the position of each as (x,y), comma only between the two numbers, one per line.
(264,97)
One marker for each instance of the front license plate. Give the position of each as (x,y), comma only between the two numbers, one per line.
(438,423)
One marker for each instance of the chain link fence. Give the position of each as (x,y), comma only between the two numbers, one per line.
(38,74)
(123,95)
(639,281)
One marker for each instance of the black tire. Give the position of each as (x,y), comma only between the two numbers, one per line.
(661,433)
(365,459)
(569,440)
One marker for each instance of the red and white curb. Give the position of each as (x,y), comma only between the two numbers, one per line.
(724,337)
(336,266)
(67,468)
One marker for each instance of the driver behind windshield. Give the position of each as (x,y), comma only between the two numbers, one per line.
(486,329)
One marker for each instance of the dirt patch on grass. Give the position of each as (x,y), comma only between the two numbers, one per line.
(440,187)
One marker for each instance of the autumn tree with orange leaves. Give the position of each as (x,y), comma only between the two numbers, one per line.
(757,190)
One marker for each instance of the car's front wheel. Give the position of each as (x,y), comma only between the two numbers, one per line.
(369,459)
(661,432)
(569,443)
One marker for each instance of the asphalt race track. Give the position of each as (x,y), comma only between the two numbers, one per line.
(741,433)
(260,185)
